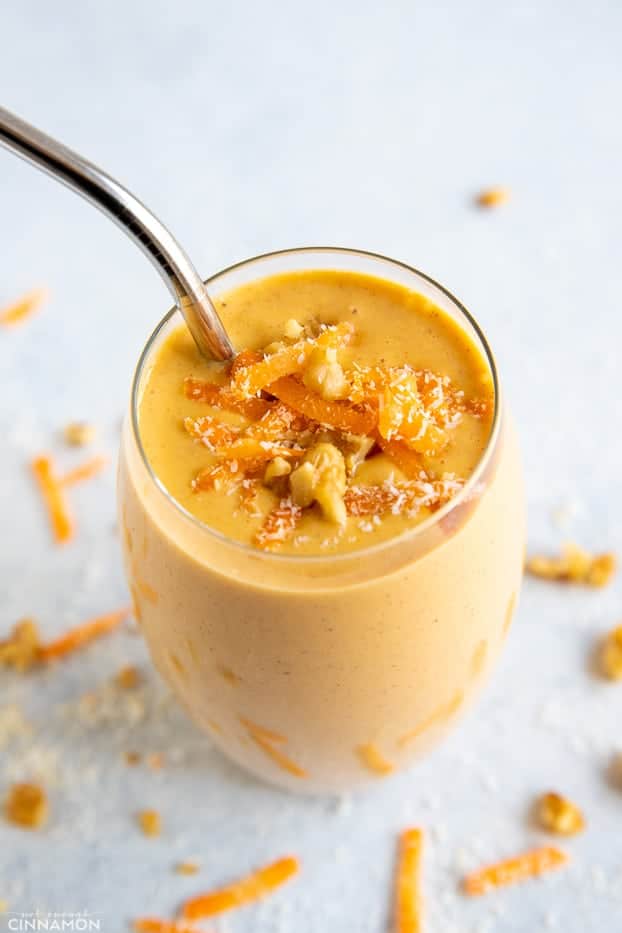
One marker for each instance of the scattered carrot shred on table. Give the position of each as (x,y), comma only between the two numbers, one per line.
(78,637)
(255,886)
(530,864)
(22,308)
(557,814)
(408,912)
(53,496)
(150,822)
(26,806)
(83,472)
(493,197)
(154,925)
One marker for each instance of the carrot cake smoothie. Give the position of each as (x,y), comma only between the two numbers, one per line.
(323,536)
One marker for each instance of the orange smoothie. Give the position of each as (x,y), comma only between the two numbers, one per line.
(324,539)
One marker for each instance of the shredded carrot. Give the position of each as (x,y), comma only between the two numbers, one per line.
(409,461)
(436,718)
(222,397)
(250,448)
(291,359)
(408,913)
(374,760)
(210,431)
(83,472)
(267,741)
(278,525)
(342,416)
(83,634)
(50,488)
(23,308)
(245,359)
(255,886)
(154,925)
(510,871)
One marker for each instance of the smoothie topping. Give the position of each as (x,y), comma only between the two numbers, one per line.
(301,420)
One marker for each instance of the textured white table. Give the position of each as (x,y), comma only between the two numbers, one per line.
(257,126)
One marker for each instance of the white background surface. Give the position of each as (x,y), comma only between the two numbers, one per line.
(249,127)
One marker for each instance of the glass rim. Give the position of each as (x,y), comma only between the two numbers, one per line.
(409,534)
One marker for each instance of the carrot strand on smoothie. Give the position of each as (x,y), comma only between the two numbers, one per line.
(62,524)
(82,635)
(408,913)
(251,888)
(343,416)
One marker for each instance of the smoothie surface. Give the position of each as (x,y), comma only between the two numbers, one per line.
(355,409)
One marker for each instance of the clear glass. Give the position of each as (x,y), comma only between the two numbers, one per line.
(320,673)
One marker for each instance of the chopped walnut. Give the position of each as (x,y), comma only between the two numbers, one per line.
(611,654)
(276,469)
(150,823)
(26,806)
(355,448)
(128,678)
(574,566)
(21,650)
(321,478)
(325,375)
(493,197)
(557,814)
(132,758)
(79,433)
(293,329)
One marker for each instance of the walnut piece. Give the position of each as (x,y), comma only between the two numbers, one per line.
(79,433)
(26,806)
(557,814)
(21,650)
(325,375)
(321,478)
(574,566)
(150,823)
(276,469)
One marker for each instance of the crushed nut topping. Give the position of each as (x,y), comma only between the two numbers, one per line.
(557,814)
(128,678)
(312,420)
(574,566)
(21,650)
(26,805)
(79,433)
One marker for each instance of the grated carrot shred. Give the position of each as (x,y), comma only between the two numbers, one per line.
(83,472)
(82,635)
(278,525)
(342,416)
(409,461)
(250,448)
(155,925)
(251,888)
(408,906)
(373,759)
(22,308)
(52,493)
(221,397)
(530,864)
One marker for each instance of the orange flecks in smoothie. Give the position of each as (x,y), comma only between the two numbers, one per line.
(509,614)
(408,906)
(26,805)
(155,925)
(372,759)
(54,499)
(83,472)
(230,676)
(23,308)
(147,592)
(442,714)
(278,525)
(479,659)
(214,726)
(510,871)
(611,654)
(557,814)
(574,566)
(343,416)
(82,635)
(179,667)
(21,650)
(493,197)
(267,742)
(253,887)
(136,607)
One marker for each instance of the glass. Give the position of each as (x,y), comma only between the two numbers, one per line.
(320,673)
